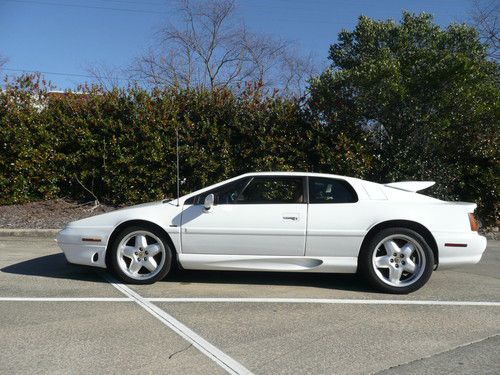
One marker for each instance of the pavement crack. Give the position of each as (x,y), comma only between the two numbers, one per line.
(180,351)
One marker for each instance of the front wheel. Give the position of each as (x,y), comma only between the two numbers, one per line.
(397,260)
(140,255)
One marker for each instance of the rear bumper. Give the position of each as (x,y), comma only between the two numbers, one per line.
(81,252)
(456,249)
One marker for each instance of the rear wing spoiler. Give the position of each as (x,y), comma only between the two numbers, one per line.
(412,186)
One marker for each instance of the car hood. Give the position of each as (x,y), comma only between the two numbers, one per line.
(162,211)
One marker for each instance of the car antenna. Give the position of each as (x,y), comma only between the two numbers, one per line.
(177,162)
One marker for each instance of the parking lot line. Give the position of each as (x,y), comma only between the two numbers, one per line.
(340,301)
(330,301)
(64,299)
(222,359)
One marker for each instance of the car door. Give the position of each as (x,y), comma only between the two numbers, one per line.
(334,217)
(262,215)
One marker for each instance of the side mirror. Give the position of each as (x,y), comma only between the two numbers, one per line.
(209,202)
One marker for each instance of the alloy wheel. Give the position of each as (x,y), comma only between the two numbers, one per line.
(141,255)
(398,260)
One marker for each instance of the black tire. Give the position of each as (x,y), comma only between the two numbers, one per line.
(381,282)
(158,237)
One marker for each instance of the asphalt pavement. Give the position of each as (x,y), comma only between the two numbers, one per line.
(59,318)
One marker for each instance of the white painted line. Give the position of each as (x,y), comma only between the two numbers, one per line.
(63,299)
(215,354)
(255,300)
(330,301)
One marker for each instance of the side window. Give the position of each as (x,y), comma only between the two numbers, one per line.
(263,190)
(225,194)
(327,190)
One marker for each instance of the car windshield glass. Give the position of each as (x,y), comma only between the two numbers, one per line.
(225,194)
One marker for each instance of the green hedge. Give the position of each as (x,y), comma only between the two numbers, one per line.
(121,144)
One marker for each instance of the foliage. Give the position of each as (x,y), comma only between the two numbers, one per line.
(407,101)
(120,144)
(427,100)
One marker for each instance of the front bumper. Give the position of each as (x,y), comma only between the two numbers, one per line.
(78,251)
(459,249)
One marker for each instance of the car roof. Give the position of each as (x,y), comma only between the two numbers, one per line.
(276,173)
(300,174)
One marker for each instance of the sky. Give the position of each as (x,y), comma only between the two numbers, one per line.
(63,37)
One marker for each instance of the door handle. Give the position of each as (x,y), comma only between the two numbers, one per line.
(293,217)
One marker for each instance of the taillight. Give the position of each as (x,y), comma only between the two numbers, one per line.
(473,222)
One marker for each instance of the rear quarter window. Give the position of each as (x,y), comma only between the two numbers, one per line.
(329,190)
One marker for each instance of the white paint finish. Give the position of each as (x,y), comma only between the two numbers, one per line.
(84,254)
(334,231)
(268,263)
(333,246)
(74,237)
(435,215)
(412,186)
(450,257)
(261,231)
(165,215)
(220,358)
(329,301)
(244,229)
(374,191)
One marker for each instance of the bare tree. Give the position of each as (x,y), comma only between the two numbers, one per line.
(106,76)
(295,71)
(485,17)
(213,48)
(3,61)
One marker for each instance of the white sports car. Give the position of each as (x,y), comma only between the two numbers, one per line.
(284,221)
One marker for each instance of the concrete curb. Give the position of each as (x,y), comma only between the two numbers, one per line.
(48,233)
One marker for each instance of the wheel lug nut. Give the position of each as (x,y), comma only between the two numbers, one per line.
(145,258)
(139,259)
(392,260)
(397,265)
(146,253)
(136,253)
(402,255)
(403,262)
(395,254)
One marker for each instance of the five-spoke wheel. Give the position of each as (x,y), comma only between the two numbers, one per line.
(141,255)
(397,260)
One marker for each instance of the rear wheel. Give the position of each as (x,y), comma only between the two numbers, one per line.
(397,260)
(140,255)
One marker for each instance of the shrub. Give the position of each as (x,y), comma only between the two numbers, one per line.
(120,144)
(426,99)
